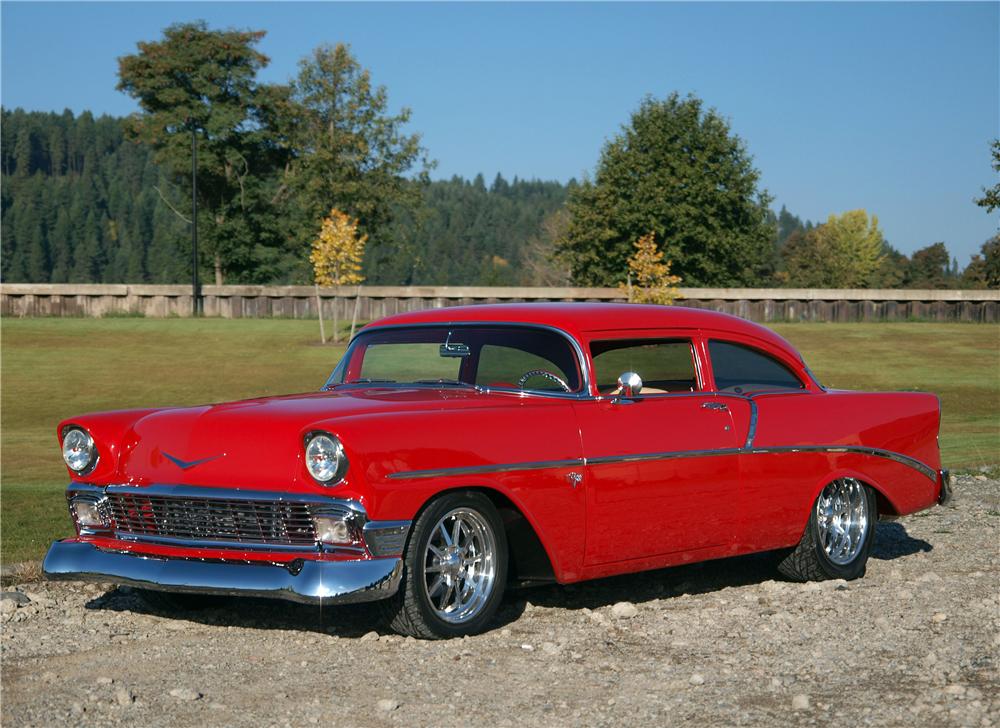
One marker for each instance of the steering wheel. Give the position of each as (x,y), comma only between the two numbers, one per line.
(542,373)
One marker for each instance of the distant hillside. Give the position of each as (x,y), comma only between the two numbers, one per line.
(82,204)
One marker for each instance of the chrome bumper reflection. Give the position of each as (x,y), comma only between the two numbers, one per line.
(308,581)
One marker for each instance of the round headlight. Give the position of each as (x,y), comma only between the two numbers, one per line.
(325,458)
(78,450)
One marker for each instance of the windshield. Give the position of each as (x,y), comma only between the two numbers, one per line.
(518,358)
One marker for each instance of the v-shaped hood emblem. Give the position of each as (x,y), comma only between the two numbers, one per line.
(185,464)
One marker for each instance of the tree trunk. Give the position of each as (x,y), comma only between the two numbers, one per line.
(357,305)
(218,270)
(319,310)
(336,336)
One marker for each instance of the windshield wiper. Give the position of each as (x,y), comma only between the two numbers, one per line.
(450,383)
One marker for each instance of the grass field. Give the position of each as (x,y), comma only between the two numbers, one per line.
(55,368)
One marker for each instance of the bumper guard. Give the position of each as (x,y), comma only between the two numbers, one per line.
(306,581)
(946,491)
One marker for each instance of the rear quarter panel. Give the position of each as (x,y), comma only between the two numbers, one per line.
(780,487)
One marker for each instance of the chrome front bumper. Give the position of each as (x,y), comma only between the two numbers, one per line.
(307,581)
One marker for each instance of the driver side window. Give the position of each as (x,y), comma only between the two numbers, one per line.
(665,365)
(503,366)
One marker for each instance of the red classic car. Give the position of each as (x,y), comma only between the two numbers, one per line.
(455,451)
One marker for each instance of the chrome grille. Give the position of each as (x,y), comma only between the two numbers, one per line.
(212,519)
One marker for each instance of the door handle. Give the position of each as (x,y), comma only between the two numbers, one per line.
(714,406)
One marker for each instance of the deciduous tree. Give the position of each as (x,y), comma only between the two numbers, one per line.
(928,268)
(991,196)
(676,169)
(983,270)
(337,254)
(204,81)
(847,251)
(349,152)
(649,279)
(338,251)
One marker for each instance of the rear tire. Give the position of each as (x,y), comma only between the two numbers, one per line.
(838,537)
(454,569)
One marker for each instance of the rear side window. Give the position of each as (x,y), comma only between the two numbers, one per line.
(741,368)
(664,365)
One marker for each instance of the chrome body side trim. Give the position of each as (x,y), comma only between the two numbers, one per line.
(858,449)
(479,469)
(306,581)
(671,455)
(386,538)
(667,455)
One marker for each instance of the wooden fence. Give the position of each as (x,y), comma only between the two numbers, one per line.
(371,302)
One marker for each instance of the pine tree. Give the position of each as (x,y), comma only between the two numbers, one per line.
(38,256)
(23,153)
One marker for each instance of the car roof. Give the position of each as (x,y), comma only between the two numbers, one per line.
(582,320)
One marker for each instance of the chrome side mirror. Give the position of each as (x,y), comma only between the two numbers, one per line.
(629,384)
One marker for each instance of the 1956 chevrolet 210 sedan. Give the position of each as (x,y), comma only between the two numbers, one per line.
(455,451)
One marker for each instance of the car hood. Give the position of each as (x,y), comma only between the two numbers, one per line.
(257,443)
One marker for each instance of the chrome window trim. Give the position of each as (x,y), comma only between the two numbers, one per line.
(581,360)
(699,375)
(767,355)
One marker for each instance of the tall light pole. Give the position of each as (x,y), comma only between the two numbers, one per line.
(195,286)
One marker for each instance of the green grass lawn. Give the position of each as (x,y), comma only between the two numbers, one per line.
(56,368)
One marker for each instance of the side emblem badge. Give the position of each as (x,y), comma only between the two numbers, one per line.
(574,478)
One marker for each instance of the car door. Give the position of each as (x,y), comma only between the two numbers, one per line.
(775,490)
(662,473)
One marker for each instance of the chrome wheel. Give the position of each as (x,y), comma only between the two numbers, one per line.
(842,519)
(460,565)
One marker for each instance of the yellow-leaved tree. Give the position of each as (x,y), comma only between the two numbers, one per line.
(336,257)
(649,277)
(851,248)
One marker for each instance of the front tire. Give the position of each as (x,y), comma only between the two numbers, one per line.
(838,537)
(455,569)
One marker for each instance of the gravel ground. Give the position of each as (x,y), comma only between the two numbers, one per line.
(916,642)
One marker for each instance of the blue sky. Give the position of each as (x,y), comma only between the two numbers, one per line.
(889,107)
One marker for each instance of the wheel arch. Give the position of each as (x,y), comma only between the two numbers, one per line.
(529,561)
(883,502)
